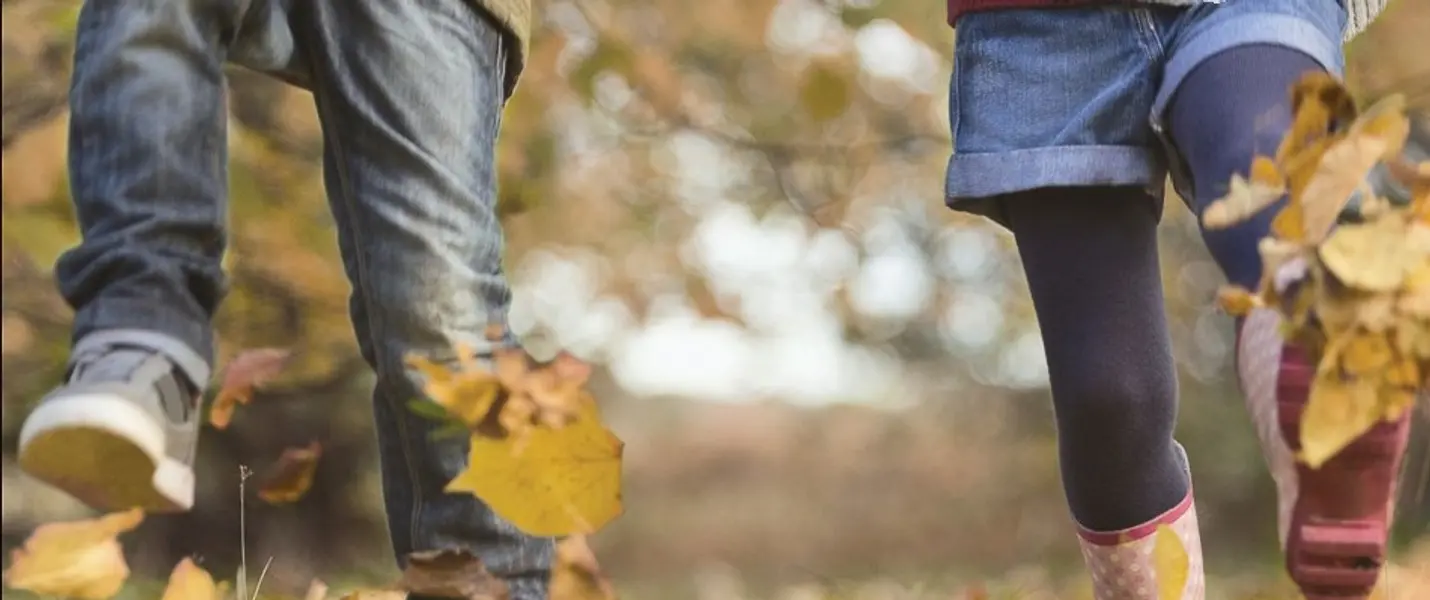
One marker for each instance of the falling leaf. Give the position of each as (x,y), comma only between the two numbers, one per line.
(1237,301)
(289,478)
(1246,197)
(190,582)
(577,575)
(1355,297)
(246,373)
(467,394)
(549,482)
(1367,257)
(451,574)
(1170,562)
(1338,412)
(80,559)
(1346,163)
(1366,355)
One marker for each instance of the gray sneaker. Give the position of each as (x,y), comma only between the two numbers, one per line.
(123,430)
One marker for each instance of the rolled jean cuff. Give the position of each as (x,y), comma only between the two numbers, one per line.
(188,343)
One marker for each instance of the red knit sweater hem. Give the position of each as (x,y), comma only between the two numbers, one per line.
(958,8)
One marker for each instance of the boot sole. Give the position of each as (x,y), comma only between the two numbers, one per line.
(106,452)
(1332,552)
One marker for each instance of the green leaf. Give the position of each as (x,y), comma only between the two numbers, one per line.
(428,409)
(451,430)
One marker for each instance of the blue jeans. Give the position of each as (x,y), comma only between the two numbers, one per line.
(410,96)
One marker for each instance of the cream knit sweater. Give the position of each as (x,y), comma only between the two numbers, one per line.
(1360,12)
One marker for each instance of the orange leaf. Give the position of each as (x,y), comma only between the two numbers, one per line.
(247,372)
(292,475)
(80,559)
(451,574)
(190,582)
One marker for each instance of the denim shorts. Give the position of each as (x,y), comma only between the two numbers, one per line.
(1075,97)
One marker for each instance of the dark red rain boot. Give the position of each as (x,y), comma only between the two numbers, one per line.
(1335,520)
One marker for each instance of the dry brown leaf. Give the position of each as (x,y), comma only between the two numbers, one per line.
(80,559)
(188,581)
(376,595)
(247,372)
(291,477)
(451,574)
(577,575)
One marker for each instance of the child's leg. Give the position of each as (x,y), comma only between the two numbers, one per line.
(1090,255)
(1333,520)
(1230,108)
(1056,159)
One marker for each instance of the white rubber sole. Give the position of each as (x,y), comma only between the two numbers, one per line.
(106,452)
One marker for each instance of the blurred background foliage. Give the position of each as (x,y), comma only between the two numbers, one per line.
(734,208)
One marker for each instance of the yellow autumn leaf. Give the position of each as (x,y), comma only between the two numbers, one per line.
(1244,198)
(1237,301)
(1347,161)
(188,581)
(577,575)
(80,559)
(549,482)
(1338,412)
(1372,257)
(1366,354)
(1171,564)
(466,393)
(1318,100)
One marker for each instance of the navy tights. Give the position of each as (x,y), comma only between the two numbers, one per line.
(1090,255)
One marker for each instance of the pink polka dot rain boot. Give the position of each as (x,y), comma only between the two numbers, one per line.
(1121,562)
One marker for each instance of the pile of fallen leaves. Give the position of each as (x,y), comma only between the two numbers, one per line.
(540,458)
(84,560)
(1355,295)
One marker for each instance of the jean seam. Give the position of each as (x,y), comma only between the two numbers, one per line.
(1147,33)
(376,326)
